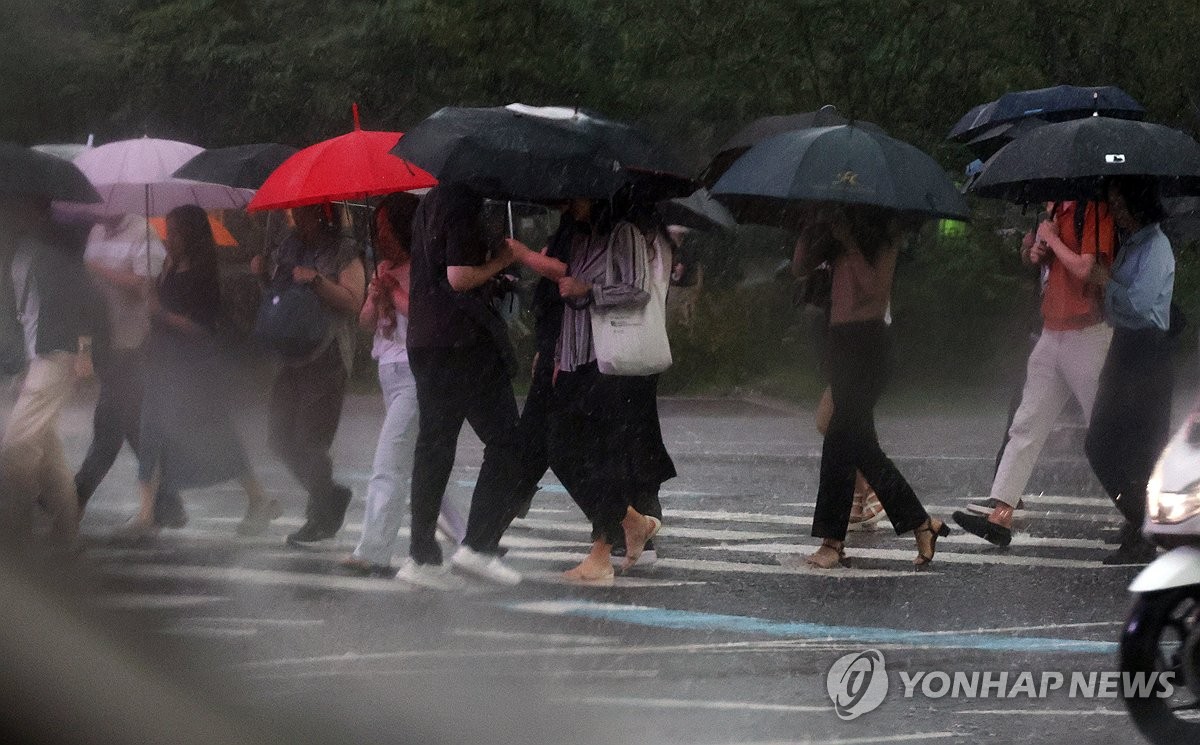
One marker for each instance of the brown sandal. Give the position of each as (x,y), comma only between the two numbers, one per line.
(830,555)
(925,553)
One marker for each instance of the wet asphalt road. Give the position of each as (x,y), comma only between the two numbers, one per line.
(718,642)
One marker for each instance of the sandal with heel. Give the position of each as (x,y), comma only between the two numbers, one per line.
(942,530)
(830,555)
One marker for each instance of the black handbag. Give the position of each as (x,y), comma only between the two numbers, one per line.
(291,319)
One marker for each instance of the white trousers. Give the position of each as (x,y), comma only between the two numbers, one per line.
(391,476)
(1062,364)
(31,453)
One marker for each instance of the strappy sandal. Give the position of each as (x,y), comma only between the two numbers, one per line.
(830,555)
(867,513)
(925,557)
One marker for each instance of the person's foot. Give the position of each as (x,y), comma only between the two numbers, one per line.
(259,516)
(1134,550)
(432,576)
(591,569)
(986,506)
(996,528)
(311,535)
(639,530)
(867,511)
(484,566)
(831,554)
(926,536)
(136,530)
(357,567)
(648,557)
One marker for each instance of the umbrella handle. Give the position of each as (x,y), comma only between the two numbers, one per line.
(511,228)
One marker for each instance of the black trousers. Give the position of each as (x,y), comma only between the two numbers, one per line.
(303,416)
(117,420)
(859,355)
(534,427)
(1131,420)
(606,446)
(456,385)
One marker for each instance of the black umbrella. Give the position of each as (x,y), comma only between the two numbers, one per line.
(1054,104)
(986,143)
(698,211)
(539,154)
(239,166)
(28,173)
(846,164)
(769,126)
(1067,160)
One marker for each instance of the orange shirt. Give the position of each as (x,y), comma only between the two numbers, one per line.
(1069,303)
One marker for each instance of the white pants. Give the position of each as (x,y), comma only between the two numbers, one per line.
(1062,364)
(388,489)
(31,453)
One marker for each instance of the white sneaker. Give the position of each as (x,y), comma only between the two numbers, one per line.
(483,566)
(433,576)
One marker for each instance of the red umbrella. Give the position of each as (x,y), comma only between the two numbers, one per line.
(351,166)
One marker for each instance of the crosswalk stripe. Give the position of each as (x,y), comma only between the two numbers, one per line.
(710,565)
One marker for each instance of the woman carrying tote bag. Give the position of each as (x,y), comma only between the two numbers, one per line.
(605,441)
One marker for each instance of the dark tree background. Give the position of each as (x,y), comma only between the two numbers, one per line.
(219,72)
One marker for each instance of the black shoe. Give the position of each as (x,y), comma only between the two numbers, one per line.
(169,511)
(979,525)
(311,534)
(1136,550)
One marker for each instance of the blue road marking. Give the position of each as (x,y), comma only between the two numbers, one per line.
(679,619)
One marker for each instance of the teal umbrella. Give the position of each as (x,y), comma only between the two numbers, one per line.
(845,164)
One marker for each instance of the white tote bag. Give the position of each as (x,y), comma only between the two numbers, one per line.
(633,341)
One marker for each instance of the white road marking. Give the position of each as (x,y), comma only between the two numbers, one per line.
(709,565)
(151,601)
(279,622)
(441,672)
(556,578)
(269,577)
(1101,516)
(531,636)
(679,703)
(869,740)
(209,632)
(668,529)
(945,557)
(1041,627)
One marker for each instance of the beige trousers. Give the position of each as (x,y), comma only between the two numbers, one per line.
(1062,364)
(31,453)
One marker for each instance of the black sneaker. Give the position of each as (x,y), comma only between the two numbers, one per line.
(310,534)
(979,525)
(648,557)
(1136,550)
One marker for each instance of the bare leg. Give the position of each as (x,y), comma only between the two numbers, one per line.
(597,565)
(638,528)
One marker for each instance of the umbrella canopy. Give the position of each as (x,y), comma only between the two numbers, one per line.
(135,176)
(528,153)
(698,211)
(846,164)
(240,166)
(1067,160)
(28,173)
(1055,104)
(351,166)
(769,126)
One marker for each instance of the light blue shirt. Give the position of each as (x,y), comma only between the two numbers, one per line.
(1143,276)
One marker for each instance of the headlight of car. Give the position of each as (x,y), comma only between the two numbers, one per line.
(1169,507)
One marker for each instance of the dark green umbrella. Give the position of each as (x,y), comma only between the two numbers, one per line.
(239,166)
(769,126)
(526,153)
(28,173)
(844,164)
(1068,160)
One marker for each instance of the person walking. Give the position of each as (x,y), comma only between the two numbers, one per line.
(122,257)
(461,359)
(1066,359)
(1131,421)
(386,314)
(306,399)
(57,310)
(187,436)
(862,245)
(605,440)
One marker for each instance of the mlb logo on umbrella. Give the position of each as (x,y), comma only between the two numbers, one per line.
(1114,158)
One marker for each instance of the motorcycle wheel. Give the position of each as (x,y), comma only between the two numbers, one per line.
(1163,635)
